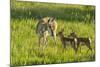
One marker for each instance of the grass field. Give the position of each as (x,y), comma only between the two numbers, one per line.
(24,41)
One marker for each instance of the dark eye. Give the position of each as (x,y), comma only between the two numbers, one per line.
(49,26)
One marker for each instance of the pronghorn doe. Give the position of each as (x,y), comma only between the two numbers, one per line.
(45,26)
(81,41)
(65,40)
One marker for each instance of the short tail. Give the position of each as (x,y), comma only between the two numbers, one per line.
(90,40)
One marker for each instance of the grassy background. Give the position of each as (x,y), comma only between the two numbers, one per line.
(24,41)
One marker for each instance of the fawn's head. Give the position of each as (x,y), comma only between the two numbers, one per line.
(61,33)
(72,34)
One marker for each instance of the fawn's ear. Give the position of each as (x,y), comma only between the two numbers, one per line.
(62,30)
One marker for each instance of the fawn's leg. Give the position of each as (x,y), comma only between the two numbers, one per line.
(74,47)
(64,46)
(79,46)
(40,41)
(89,47)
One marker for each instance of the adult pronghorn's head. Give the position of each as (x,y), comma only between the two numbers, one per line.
(52,25)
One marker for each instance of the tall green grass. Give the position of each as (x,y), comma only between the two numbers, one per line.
(25,50)
(24,41)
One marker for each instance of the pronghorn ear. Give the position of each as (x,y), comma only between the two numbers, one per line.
(49,20)
(53,19)
(62,29)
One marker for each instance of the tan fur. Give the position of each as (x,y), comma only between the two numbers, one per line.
(46,26)
(64,40)
(81,40)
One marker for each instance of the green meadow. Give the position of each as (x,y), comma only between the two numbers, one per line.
(24,41)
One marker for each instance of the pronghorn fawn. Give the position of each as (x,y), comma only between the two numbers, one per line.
(81,41)
(46,26)
(65,40)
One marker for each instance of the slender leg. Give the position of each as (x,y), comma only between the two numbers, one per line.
(64,45)
(39,41)
(55,41)
(89,47)
(74,47)
(54,37)
(45,42)
(80,48)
